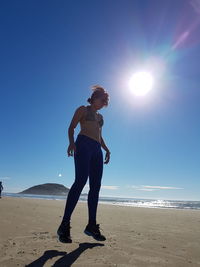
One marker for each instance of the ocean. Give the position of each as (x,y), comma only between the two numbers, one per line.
(119,201)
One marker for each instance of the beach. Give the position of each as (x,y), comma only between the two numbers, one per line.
(135,236)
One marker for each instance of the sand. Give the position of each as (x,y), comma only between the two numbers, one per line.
(135,236)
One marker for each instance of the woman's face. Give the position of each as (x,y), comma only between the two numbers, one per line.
(99,102)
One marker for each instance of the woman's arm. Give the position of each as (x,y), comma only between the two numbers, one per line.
(104,145)
(75,120)
(107,156)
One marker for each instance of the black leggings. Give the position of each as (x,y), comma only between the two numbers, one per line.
(88,161)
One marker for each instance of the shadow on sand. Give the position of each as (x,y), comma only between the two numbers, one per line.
(66,260)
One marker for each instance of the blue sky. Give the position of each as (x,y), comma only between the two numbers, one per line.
(53,51)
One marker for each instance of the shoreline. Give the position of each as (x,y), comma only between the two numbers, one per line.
(117,203)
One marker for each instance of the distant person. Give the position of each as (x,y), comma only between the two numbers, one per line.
(1,188)
(88,160)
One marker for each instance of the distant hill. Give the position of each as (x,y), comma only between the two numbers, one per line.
(47,189)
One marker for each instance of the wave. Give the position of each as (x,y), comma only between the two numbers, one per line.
(131,202)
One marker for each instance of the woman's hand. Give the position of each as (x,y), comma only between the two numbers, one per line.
(71,149)
(107,157)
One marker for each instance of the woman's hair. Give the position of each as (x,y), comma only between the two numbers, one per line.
(99,92)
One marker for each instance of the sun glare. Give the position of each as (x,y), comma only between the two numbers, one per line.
(141,83)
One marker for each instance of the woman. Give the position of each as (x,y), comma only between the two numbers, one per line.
(88,160)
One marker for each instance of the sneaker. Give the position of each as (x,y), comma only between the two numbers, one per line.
(63,233)
(93,230)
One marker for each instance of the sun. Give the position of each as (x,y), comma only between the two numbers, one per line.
(141,83)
